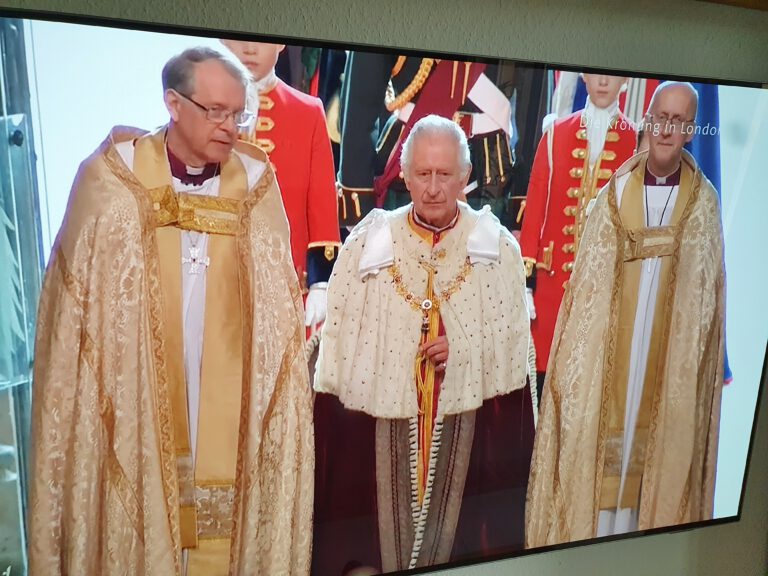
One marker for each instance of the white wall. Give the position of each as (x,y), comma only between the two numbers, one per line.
(86,80)
(744,152)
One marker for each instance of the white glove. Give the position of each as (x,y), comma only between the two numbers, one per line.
(317,304)
(528,300)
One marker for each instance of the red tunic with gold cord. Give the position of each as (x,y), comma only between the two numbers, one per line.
(291,128)
(560,188)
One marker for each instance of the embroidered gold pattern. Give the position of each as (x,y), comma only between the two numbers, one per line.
(196,212)
(161,392)
(214,510)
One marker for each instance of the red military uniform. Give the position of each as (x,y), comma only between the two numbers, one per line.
(291,128)
(559,191)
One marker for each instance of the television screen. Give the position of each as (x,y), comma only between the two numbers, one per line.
(322,309)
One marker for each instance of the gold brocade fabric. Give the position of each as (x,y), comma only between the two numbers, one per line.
(206,492)
(104,495)
(186,211)
(574,441)
(640,241)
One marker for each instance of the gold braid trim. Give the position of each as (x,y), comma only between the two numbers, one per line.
(398,66)
(530,263)
(413,88)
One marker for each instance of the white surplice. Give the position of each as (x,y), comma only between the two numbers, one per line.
(661,200)
(193,288)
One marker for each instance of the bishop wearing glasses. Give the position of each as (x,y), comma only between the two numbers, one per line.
(172,411)
(628,434)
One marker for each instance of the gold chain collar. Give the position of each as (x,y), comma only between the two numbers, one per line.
(426,303)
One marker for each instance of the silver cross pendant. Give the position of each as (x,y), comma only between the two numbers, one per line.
(196,264)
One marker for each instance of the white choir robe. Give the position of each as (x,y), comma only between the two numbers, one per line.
(660,205)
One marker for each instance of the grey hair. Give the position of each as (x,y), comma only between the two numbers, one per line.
(434,125)
(179,72)
(672,83)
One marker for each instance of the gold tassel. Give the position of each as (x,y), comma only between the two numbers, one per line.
(520,212)
(343,204)
(467,66)
(498,155)
(426,387)
(487,161)
(453,78)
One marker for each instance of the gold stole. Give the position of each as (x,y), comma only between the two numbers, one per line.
(206,491)
(424,370)
(640,243)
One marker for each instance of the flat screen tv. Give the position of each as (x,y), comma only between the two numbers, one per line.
(617,398)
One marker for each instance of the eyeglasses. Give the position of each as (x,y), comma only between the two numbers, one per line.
(663,122)
(220,115)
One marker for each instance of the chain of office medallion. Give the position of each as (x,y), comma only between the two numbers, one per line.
(444,295)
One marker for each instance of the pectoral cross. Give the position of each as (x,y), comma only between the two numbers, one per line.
(195,261)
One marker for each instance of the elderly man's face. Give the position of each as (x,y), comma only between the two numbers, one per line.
(203,140)
(602,89)
(435,178)
(259,57)
(671,117)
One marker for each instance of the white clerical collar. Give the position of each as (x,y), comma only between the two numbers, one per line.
(671,178)
(597,122)
(431,228)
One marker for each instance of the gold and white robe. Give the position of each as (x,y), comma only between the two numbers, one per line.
(113,488)
(580,465)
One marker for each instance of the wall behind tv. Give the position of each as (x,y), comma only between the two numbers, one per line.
(662,36)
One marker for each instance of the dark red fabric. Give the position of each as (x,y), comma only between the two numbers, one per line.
(345,523)
(179,170)
(671,180)
(492,517)
(434,98)
(491,520)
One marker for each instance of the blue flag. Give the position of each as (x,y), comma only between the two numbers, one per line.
(705,147)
